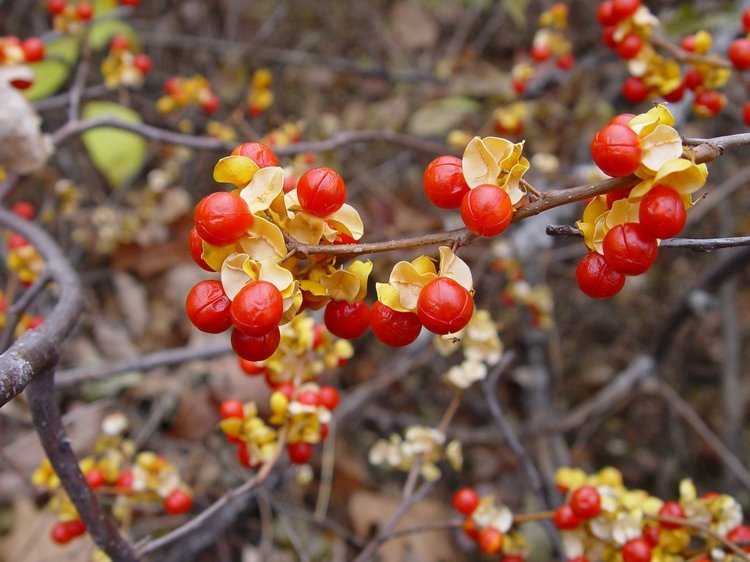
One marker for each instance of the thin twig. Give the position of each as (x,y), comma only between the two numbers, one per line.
(660,41)
(702,529)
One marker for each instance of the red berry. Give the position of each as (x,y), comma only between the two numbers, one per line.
(15,241)
(60,533)
(465,500)
(172,86)
(746,20)
(672,509)
(257,152)
(585,502)
(119,44)
(710,101)
(178,502)
(565,519)
(222,218)
(605,14)
(329,397)
(608,36)
(746,114)
(251,367)
(693,79)
(55,7)
(739,53)
(285,388)
(125,480)
(630,46)
(196,249)
(470,528)
(257,308)
(34,322)
(309,398)
(625,8)
(616,195)
(486,210)
(143,63)
(677,94)
(299,453)
(84,11)
(651,535)
(24,210)
(541,53)
(255,348)
(393,327)
(597,279)
(33,49)
(208,307)
(662,212)
(75,528)
(444,183)
(519,86)
(636,550)
(444,306)
(634,89)
(565,62)
(629,249)
(324,431)
(490,540)
(131,3)
(616,149)
(621,119)
(321,191)
(210,104)
(688,43)
(231,409)
(95,478)
(740,535)
(347,320)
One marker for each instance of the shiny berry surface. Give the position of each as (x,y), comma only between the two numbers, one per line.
(60,533)
(444,306)
(470,528)
(605,14)
(347,320)
(541,53)
(490,540)
(24,209)
(444,182)
(486,210)
(257,308)
(662,212)
(55,7)
(299,453)
(321,191)
(178,502)
(625,8)
(746,20)
(84,11)
(677,94)
(629,47)
(329,397)
(738,53)
(222,218)
(629,249)
(741,535)
(692,79)
(621,119)
(585,502)
(33,49)
(207,306)
(565,519)
(231,409)
(95,478)
(258,153)
(255,348)
(596,279)
(251,368)
(616,149)
(196,249)
(672,509)
(143,63)
(465,500)
(616,195)
(634,89)
(636,550)
(709,102)
(210,104)
(393,327)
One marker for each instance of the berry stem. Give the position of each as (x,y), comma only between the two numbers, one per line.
(702,529)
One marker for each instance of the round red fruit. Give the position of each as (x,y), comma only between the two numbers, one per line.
(662,212)
(596,279)
(143,63)
(393,327)
(470,528)
(608,36)
(444,183)
(746,20)
(621,119)
(255,348)
(605,14)
(95,478)
(677,94)
(541,53)
(257,152)
(178,502)
(486,210)
(629,47)
(208,306)
(616,195)
(586,502)
(196,249)
(565,519)
(634,89)
(651,535)
(75,528)
(125,480)
(24,209)
(329,397)
(671,509)
(490,540)
(347,320)
(740,535)
(257,308)
(299,453)
(119,44)
(309,398)
(693,79)
(251,368)
(465,500)
(625,8)
(636,550)
(84,11)
(519,86)
(444,306)
(210,104)
(222,218)
(739,53)
(709,102)
(565,62)
(746,114)
(616,149)
(60,533)
(33,49)
(321,191)
(688,43)
(55,7)
(231,409)
(629,249)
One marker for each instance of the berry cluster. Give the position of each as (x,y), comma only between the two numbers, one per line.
(14,51)
(180,93)
(739,55)
(622,228)
(69,18)
(260,96)
(133,482)
(124,67)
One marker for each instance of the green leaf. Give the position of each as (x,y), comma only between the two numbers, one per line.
(102,32)
(52,72)
(117,154)
(517,11)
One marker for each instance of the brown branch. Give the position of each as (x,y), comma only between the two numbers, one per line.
(661,42)
(702,529)
(46,418)
(38,350)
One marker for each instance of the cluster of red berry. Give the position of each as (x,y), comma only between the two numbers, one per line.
(83,11)
(739,55)
(121,46)
(181,92)
(15,51)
